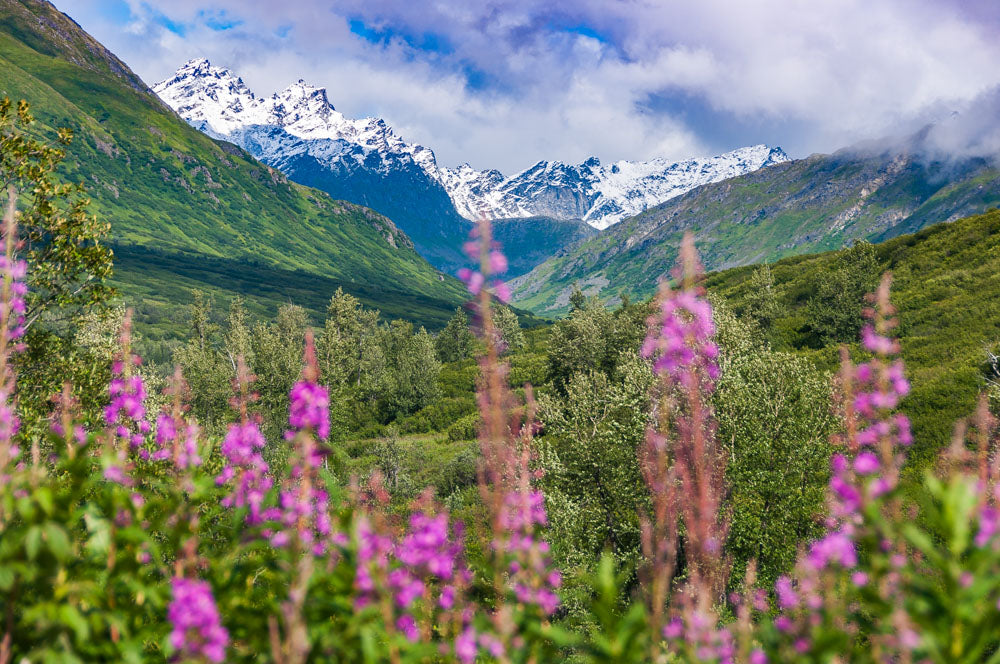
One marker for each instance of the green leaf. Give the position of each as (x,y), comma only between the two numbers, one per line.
(7,577)
(75,621)
(43,496)
(58,541)
(33,541)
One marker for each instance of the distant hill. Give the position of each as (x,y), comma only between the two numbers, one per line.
(808,205)
(946,285)
(189,212)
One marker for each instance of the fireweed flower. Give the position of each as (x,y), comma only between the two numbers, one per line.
(303,509)
(861,477)
(681,339)
(179,444)
(197,630)
(126,411)
(428,558)
(415,575)
(877,387)
(12,293)
(309,408)
(374,549)
(532,577)
(698,633)
(491,262)
(684,466)
(246,470)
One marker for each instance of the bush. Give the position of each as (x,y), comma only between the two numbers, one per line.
(465,428)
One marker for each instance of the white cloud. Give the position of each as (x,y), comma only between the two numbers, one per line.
(574,79)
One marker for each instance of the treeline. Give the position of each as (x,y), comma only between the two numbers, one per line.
(378,372)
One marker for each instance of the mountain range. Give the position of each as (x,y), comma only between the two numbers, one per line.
(284,199)
(873,191)
(298,131)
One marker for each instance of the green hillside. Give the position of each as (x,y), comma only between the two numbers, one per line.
(190,213)
(816,204)
(947,288)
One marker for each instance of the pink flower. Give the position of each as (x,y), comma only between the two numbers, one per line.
(310,408)
(866,463)
(498,262)
(197,627)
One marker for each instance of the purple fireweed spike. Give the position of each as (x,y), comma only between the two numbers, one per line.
(197,631)
(12,307)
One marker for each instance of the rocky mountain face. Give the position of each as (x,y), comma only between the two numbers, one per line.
(298,131)
(601,195)
(809,205)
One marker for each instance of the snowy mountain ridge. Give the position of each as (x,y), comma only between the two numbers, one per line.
(300,121)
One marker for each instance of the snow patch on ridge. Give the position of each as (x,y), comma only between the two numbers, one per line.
(300,120)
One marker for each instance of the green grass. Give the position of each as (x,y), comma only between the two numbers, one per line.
(202,210)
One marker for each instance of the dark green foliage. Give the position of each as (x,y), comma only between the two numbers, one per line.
(456,341)
(68,265)
(377,373)
(594,338)
(946,285)
(388,460)
(464,428)
(412,370)
(593,486)
(775,420)
(762,305)
(460,472)
(835,311)
(511,338)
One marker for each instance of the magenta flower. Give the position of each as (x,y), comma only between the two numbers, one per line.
(465,646)
(197,628)
(126,412)
(309,408)
(180,446)
(680,340)
(246,469)
(495,263)
(532,577)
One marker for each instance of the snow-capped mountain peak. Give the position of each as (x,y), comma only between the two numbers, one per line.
(300,120)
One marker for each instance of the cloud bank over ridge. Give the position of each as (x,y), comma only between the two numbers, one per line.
(503,84)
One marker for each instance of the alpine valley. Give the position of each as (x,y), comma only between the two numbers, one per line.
(299,132)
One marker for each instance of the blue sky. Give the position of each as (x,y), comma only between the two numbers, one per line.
(503,84)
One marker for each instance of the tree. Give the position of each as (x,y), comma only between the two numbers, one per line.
(594,338)
(207,371)
(837,306)
(238,342)
(68,266)
(774,418)
(456,341)
(762,304)
(277,353)
(508,328)
(593,485)
(413,370)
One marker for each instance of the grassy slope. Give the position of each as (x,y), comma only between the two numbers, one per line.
(947,288)
(809,205)
(218,219)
